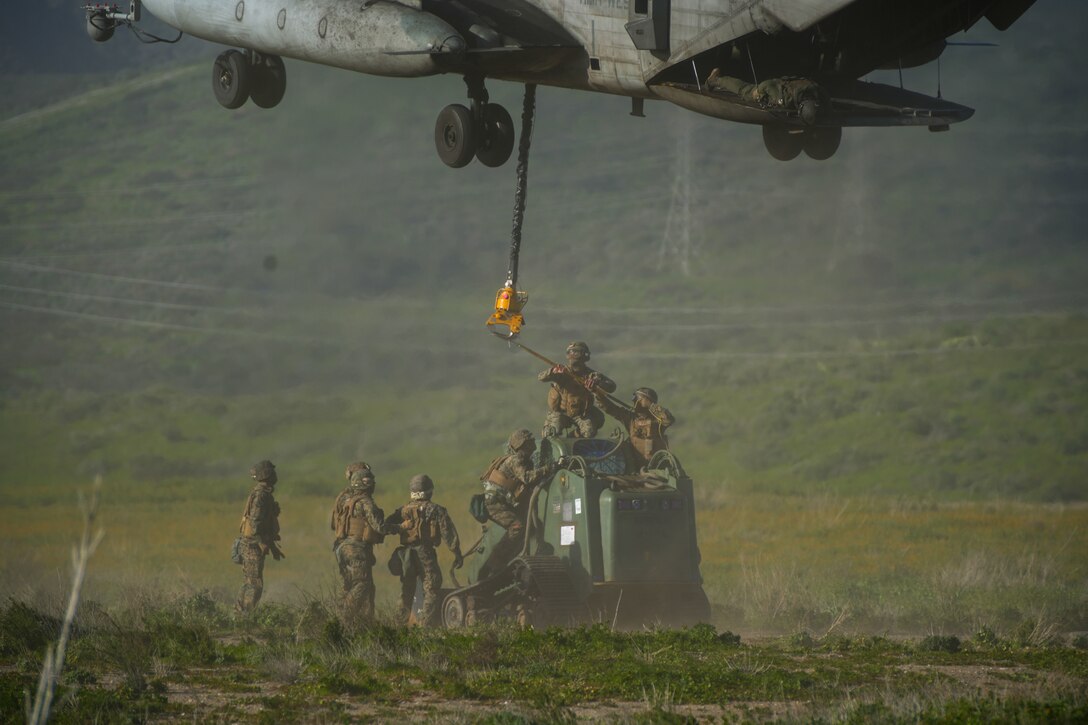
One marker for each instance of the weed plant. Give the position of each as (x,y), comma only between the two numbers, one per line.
(127,667)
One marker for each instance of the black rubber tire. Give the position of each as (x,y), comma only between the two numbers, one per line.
(782,144)
(454,612)
(269,82)
(822,143)
(455,136)
(231,79)
(496,141)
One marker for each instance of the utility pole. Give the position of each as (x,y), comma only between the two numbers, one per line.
(676,241)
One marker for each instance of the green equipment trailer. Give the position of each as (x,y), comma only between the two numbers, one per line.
(604,543)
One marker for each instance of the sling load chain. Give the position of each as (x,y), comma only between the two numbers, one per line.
(509,301)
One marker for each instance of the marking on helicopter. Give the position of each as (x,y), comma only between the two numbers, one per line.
(566,535)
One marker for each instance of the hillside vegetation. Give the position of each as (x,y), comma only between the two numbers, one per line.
(184,291)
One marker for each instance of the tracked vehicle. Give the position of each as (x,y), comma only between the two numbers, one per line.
(604,543)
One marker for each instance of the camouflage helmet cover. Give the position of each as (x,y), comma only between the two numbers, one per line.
(649,393)
(263,470)
(579,346)
(519,438)
(420,483)
(357,466)
(362,477)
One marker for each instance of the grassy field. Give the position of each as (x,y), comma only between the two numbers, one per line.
(186,659)
(877,365)
(771,564)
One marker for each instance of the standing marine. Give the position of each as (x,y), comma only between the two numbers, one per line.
(570,402)
(259,532)
(423,526)
(357,522)
(508,485)
(645,421)
(351,468)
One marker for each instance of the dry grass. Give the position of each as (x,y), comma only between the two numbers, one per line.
(770,563)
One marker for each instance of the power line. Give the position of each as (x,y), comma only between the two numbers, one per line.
(922,302)
(340,341)
(138,302)
(130,250)
(825,354)
(230,332)
(26,194)
(99,223)
(791,324)
(112,277)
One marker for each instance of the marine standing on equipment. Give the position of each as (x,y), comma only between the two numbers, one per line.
(645,421)
(423,527)
(508,483)
(358,524)
(570,403)
(260,530)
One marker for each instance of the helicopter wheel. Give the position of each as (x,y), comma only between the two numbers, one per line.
(231,79)
(822,143)
(782,144)
(455,136)
(269,81)
(496,136)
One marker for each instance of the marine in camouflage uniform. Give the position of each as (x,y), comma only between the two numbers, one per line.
(645,422)
(260,530)
(357,522)
(423,527)
(351,468)
(508,484)
(570,402)
(788,92)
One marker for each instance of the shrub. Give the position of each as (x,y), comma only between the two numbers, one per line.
(24,630)
(940,643)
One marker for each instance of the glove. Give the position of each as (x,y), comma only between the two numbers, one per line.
(563,462)
(458,560)
(558,370)
(592,381)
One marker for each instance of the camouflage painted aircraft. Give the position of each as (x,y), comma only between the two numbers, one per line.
(791,66)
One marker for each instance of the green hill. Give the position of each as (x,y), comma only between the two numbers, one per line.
(184,290)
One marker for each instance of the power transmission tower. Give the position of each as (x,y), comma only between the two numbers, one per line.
(676,242)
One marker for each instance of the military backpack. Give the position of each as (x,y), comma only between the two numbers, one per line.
(417,528)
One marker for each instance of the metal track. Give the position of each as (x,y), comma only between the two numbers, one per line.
(548,586)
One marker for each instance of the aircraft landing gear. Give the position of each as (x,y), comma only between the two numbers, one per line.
(822,143)
(455,136)
(238,76)
(485,130)
(786,144)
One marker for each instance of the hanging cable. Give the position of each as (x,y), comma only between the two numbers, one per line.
(509,301)
(521,187)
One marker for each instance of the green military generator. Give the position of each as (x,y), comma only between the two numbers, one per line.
(604,543)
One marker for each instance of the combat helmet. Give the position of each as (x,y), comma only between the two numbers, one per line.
(519,439)
(353,467)
(579,346)
(263,471)
(421,486)
(362,478)
(648,393)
